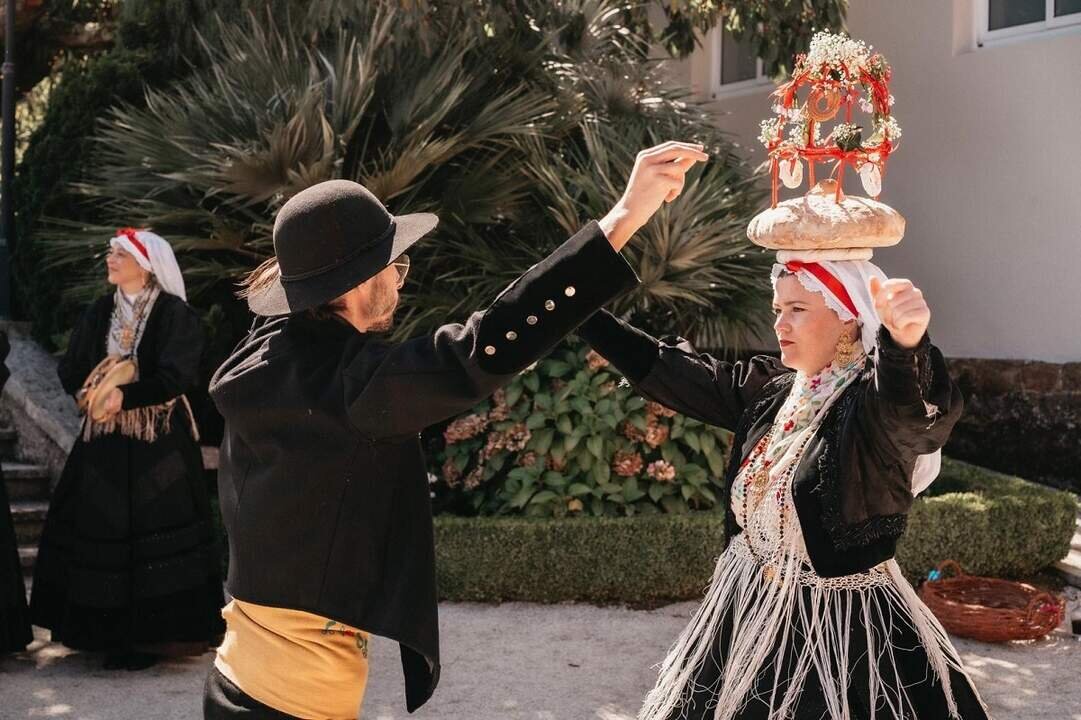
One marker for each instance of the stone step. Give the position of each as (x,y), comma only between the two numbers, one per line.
(1070,568)
(8,439)
(29,518)
(26,481)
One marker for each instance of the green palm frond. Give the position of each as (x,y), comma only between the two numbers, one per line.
(515,121)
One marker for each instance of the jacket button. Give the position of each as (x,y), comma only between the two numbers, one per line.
(489,350)
(549,305)
(531,320)
(569,291)
(512,336)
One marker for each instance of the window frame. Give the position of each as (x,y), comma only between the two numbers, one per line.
(719,91)
(1050,24)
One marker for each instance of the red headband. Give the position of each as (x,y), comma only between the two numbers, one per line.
(834,285)
(130,234)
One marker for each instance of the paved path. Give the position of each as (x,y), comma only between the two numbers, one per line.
(507,662)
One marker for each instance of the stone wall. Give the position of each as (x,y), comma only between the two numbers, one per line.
(1022,418)
(35,405)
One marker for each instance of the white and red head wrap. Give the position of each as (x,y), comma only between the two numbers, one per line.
(846,287)
(154,255)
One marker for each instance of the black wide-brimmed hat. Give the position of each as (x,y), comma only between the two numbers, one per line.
(328,239)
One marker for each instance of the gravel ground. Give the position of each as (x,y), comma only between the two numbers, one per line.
(508,662)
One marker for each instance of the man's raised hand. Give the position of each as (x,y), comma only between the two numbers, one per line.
(657,177)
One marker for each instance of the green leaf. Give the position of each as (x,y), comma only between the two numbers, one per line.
(582,405)
(691,438)
(636,403)
(631,491)
(595,443)
(521,497)
(544,496)
(532,382)
(554,479)
(657,491)
(579,489)
(556,368)
(716,463)
(639,421)
(708,493)
(564,424)
(542,440)
(542,401)
(671,453)
(535,421)
(674,504)
(601,472)
(570,442)
(512,393)
(708,442)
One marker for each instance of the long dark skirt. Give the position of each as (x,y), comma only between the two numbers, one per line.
(913,671)
(15,631)
(129,555)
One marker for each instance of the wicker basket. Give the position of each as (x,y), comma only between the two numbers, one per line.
(989,609)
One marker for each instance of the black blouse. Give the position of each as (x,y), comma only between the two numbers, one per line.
(852,489)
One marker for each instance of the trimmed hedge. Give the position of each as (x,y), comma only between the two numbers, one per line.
(992,524)
(644,560)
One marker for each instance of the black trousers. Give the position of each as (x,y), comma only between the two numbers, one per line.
(223,700)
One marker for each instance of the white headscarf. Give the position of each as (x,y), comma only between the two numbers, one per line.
(154,254)
(855,278)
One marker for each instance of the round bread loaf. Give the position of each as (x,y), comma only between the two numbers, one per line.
(817,221)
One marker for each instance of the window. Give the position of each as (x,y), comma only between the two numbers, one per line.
(735,69)
(1000,19)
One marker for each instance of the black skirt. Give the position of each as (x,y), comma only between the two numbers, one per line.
(913,671)
(129,553)
(15,632)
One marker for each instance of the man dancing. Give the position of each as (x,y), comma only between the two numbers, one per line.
(323,485)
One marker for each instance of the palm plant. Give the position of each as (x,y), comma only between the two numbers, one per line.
(514,125)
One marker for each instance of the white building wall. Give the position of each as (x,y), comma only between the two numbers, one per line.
(987,173)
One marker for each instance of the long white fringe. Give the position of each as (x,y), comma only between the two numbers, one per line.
(766,613)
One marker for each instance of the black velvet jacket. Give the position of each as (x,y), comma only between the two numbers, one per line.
(168,352)
(852,489)
(323,484)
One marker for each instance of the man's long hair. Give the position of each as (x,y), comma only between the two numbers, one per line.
(262,277)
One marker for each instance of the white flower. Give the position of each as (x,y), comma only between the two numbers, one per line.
(889,128)
(866,106)
(797,134)
(835,50)
(770,131)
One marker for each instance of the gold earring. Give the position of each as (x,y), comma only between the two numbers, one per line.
(846,349)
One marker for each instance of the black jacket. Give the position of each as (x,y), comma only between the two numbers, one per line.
(852,489)
(323,484)
(168,352)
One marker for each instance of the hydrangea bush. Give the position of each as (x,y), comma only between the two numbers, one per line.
(568,437)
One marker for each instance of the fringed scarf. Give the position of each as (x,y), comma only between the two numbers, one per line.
(780,609)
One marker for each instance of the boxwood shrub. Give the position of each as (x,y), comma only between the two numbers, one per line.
(992,524)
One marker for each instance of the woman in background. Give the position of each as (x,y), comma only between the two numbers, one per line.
(129,557)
